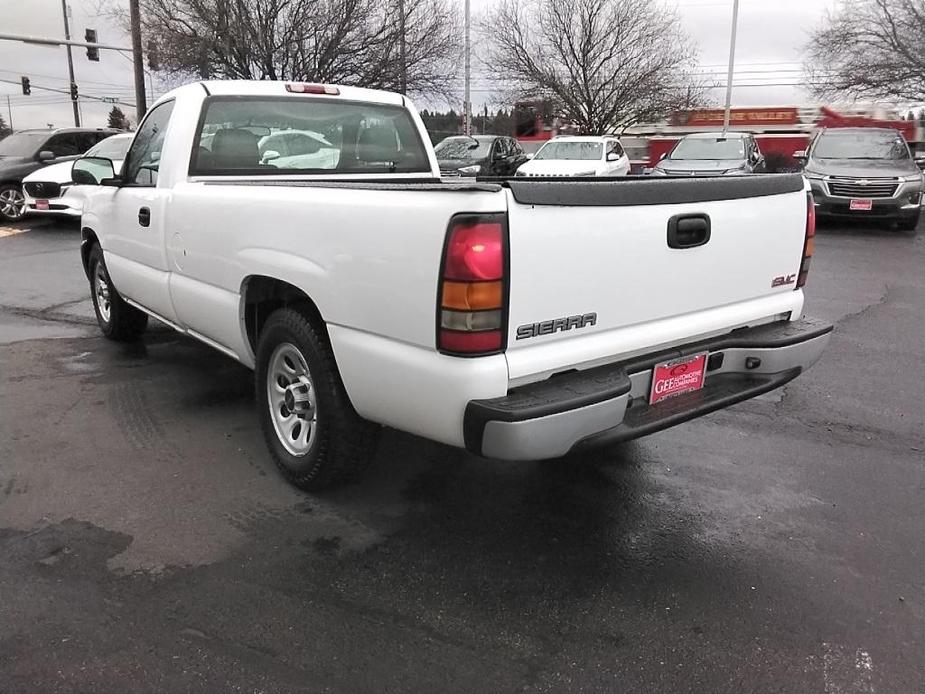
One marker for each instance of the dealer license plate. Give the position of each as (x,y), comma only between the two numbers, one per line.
(862,205)
(679,376)
(41,204)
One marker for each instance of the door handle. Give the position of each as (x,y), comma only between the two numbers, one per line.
(144,217)
(688,230)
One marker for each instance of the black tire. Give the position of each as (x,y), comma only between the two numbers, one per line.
(12,202)
(124,322)
(908,223)
(342,444)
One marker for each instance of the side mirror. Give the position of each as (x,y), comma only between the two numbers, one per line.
(46,155)
(920,163)
(800,155)
(92,171)
(530,155)
(612,156)
(270,155)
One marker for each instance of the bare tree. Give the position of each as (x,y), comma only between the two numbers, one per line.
(367,43)
(869,49)
(606,64)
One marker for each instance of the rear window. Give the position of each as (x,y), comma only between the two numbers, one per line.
(299,135)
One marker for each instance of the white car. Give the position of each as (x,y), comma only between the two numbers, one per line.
(517,319)
(50,191)
(578,156)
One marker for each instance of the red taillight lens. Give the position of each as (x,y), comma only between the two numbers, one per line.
(472,310)
(809,245)
(475,253)
(303,88)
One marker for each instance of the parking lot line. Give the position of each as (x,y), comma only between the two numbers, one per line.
(12,231)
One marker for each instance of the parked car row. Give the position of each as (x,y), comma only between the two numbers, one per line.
(27,151)
(867,172)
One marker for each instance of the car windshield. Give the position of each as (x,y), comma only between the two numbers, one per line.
(709,148)
(463,148)
(21,144)
(854,145)
(110,148)
(573,151)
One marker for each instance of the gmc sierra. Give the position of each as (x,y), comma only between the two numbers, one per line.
(517,318)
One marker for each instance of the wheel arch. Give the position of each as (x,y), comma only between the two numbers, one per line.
(263,294)
(88,239)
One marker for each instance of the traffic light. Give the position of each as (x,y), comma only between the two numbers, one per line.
(93,53)
(73,91)
(26,87)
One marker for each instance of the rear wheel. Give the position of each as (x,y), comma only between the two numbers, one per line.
(315,436)
(117,319)
(12,202)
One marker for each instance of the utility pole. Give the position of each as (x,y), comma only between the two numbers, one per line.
(467,105)
(141,105)
(10,109)
(403,67)
(732,57)
(70,63)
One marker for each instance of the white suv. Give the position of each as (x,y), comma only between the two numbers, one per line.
(569,155)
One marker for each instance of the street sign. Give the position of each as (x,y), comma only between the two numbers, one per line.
(110,100)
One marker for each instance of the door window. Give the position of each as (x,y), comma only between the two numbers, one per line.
(143,159)
(65,145)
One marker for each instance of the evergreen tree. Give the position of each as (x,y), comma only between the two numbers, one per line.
(117,119)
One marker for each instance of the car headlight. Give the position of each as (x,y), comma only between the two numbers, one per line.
(913,179)
(470,170)
(813,176)
(585,173)
(734,172)
(656,171)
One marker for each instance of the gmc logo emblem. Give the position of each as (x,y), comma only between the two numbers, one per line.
(783,280)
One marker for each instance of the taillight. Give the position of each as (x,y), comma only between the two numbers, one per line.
(472,297)
(304,88)
(809,245)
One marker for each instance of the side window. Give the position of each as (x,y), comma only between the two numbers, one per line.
(516,148)
(143,159)
(501,149)
(305,135)
(64,144)
(86,140)
(615,148)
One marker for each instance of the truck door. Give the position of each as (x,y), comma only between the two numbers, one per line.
(136,255)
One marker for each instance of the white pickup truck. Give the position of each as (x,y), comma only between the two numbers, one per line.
(519,319)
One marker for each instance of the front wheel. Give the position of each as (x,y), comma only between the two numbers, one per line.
(12,202)
(909,223)
(315,436)
(118,320)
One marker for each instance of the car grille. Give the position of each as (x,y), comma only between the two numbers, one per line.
(43,189)
(863,187)
(712,172)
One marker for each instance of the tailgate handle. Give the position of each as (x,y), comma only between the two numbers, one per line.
(688,230)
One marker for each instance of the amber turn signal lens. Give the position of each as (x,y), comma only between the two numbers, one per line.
(472,296)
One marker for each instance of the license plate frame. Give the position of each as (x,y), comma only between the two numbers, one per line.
(42,205)
(688,373)
(861,205)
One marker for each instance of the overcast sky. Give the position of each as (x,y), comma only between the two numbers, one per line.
(770,35)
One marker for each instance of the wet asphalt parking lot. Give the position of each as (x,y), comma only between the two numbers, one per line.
(147,543)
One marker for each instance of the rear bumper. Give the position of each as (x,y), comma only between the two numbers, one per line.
(610,403)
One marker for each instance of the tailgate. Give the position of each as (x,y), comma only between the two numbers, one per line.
(597,260)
